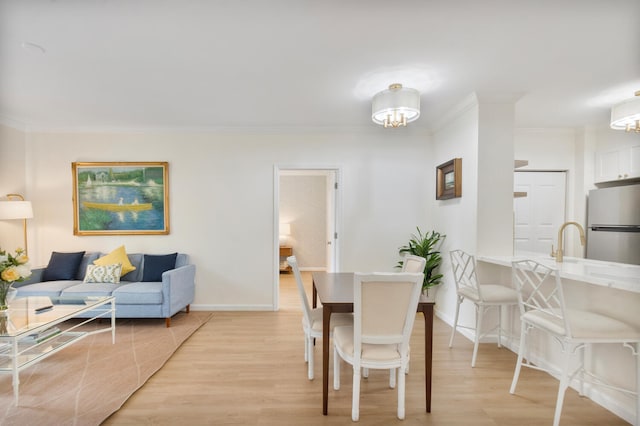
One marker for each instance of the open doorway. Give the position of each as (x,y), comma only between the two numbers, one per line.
(306,225)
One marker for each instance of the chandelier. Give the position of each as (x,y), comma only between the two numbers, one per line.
(395,106)
(626,114)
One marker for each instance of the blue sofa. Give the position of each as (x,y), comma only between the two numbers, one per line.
(134,298)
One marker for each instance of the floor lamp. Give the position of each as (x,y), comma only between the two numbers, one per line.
(17,208)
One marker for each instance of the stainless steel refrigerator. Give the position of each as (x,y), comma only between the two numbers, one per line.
(613,233)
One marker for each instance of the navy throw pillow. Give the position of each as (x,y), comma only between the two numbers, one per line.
(155,265)
(62,266)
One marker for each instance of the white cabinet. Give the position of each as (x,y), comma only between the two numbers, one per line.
(618,164)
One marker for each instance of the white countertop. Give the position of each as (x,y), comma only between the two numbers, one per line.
(621,276)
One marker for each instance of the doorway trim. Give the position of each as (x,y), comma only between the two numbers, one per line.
(277,172)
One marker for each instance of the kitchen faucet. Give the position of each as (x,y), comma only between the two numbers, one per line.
(558,254)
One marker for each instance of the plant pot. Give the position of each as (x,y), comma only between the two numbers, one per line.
(429,293)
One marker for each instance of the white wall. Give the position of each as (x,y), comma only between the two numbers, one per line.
(12,181)
(456,217)
(545,149)
(221,199)
(480,131)
(608,138)
(495,175)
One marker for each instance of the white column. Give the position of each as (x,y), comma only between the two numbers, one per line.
(496,114)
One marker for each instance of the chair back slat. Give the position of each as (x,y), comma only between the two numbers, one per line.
(464,271)
(540,289)
(306,308)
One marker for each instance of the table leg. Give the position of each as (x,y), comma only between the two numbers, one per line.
(113,321)
(428,352)
(326,320)
(14,367)
(314,296)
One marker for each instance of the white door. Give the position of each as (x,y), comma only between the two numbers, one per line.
(539,215)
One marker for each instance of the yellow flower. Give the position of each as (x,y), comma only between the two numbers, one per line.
(10,274)
(22,258)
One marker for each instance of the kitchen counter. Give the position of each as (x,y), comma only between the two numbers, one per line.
(620,276)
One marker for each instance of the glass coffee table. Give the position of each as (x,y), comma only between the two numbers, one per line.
(34,327)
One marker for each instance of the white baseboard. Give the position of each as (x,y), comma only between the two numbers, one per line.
(232,307)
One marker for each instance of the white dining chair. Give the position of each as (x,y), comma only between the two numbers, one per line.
(483,296)
(542,307)
(384,310)
(312,318)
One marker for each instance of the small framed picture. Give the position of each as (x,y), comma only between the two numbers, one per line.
(449,179)
(120,198)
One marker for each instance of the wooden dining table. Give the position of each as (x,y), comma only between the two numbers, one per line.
(335,292)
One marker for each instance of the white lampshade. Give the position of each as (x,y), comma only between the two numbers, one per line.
(626,114)
(285,229)
(395,106)
(15,210)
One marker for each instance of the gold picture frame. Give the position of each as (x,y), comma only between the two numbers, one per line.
(449,179)
(120,198)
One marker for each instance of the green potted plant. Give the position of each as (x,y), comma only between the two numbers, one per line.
(425,245)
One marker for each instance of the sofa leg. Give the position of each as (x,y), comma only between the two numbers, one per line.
(168,320)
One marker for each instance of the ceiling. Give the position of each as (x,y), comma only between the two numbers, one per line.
(301,64)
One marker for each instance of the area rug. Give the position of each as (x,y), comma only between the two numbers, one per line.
(86,382)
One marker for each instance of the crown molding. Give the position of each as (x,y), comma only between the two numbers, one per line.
(360,129)
(569,131)
(13,123)
(468,102)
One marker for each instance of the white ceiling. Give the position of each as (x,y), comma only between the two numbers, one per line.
(186,64)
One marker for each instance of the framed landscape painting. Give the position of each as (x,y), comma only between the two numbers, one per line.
(120,198)
(449,179)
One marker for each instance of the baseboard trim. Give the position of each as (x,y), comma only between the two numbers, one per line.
(232,307)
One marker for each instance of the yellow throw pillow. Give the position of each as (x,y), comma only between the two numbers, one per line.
(119,255)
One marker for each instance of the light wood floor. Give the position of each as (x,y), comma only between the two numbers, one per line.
(247,368)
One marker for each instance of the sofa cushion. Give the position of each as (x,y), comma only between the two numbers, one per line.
(48,288)
(139,293)
(62,266)
(103,274)
(155,265)
(89,289)
(118,255)
(87,259)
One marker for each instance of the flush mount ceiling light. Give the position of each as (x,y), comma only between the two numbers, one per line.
(395,106)
(626,114)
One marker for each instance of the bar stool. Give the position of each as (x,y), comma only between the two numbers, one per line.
(484,296)
(542,307)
